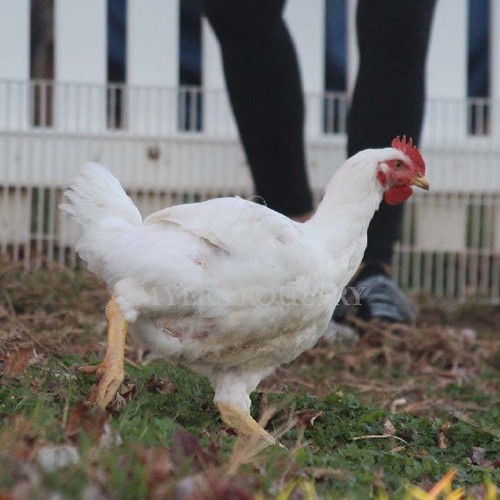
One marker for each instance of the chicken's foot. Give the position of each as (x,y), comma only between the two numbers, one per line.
(110,372)
(242,422)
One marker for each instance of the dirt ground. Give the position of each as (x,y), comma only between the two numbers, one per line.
(446,370)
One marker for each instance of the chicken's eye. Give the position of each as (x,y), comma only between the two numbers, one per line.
(398,165)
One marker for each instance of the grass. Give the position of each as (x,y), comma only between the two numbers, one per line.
(374,416)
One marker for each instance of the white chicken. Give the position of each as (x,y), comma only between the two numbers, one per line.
(227,287)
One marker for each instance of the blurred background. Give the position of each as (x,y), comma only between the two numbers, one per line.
(138,85)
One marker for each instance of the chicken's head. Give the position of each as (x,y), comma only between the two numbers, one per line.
(399,173)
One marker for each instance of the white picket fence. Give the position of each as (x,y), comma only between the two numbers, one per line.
(173,145)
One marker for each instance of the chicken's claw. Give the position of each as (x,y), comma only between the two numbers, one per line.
(242,422)
(110,372)
(109,380)
(88,369)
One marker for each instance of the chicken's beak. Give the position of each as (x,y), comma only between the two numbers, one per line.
(421,181)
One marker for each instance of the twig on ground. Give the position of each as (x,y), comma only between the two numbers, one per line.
(379,436)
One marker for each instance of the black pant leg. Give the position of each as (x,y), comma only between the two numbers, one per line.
(389,94)
(264,86)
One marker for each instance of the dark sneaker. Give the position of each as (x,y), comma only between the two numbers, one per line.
(372,295)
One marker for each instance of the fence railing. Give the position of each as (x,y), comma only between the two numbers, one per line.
(171,146)
(174,145)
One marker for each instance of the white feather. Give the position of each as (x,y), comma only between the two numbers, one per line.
(104,211)
(227,287)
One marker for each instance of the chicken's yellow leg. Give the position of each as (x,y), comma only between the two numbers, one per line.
(242,422)
(110,372)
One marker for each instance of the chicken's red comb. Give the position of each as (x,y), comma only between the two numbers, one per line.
(411,151)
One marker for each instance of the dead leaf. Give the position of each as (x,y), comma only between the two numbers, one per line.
(307,417)
(469,337)
(126,391)
(389,427)
(442,439)
(122,397)
(396,403)
(397,449)
(416,408)
(211,485)
(23,489)
(16,362)
(93,492)
(186,449)
(478,457)
(3,314)
(90,420)
(158,465)
(159,385)
(21,441)
(57,389)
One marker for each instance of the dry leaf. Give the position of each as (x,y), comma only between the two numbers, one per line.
(442,439)
(3,314)
(307,417)
(416,408)
(160,385)
(158,465)
(211,485)
(186,449)
(397,449)
(122,397)
(126,391)
(23,489)
(478,457)
(90,420)
(389,427)
(396,403)
(21,441)
(16,362)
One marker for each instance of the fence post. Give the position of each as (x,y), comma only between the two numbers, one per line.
(153,66)
(14,94)
(80,65)
(446,110)
(441,226)
(306,20)
(495,120)
(495,68)
(14,63)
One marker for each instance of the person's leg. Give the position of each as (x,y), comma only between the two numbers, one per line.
(388,99)
(263,82)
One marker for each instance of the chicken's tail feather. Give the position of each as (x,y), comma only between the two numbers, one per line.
(95,195)
(97,201)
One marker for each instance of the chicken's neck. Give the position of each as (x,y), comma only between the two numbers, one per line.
(351,198)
